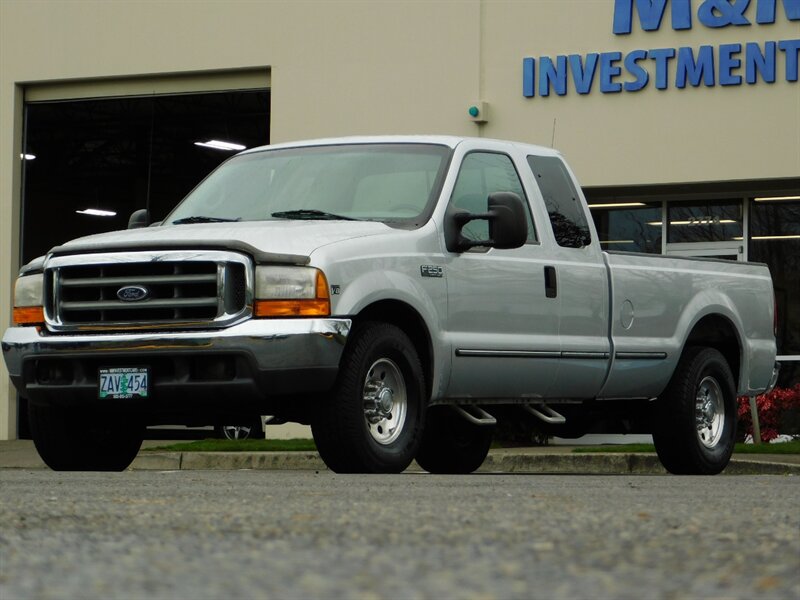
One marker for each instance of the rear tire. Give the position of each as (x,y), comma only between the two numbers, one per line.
(84,440)
(451,444)
(374,422)
(695,418)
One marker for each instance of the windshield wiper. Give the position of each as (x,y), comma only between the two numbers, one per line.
(202,219)
(311,214)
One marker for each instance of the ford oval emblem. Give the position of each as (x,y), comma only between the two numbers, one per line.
(132,293)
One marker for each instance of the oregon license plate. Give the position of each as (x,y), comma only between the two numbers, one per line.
(123,382)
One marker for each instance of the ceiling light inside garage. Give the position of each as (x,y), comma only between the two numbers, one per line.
(96,212)
(220,145)
(27,156)
(777,198)
(617,205)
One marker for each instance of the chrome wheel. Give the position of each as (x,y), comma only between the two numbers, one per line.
(709,412)
(385,401)
(236,432)
(242,431)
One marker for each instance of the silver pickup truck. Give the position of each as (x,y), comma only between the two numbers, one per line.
(402,295)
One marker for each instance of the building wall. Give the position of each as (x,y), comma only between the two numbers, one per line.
(341,68)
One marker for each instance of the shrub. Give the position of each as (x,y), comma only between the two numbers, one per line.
(776,410)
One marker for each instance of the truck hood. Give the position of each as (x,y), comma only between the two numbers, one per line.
(268,241)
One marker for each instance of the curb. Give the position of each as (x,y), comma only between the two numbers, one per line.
(595,464)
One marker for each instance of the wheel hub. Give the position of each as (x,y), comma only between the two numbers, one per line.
(385,402)
(709,412)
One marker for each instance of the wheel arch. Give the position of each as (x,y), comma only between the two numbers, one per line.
(411,322)
(717,331)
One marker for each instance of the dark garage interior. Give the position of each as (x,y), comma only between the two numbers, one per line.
(118,155)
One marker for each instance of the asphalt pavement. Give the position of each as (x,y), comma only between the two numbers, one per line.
(22,454)
(305,534)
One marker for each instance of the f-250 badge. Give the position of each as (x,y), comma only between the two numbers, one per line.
(431,271)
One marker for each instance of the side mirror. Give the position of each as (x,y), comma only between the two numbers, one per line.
(508,225)
(140,218)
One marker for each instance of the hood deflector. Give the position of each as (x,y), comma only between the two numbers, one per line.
(259,256)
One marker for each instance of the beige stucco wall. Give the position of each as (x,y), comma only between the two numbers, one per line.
(341,68)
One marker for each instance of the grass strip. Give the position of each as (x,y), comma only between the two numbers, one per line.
(211,445)
(784,448)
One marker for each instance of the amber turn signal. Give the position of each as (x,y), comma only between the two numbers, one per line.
(293,308)
(28,315)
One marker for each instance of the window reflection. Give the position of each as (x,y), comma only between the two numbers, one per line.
(625,226)
(708,221)
(775,240)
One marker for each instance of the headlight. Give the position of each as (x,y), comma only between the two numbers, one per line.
(28,300)
(291,292)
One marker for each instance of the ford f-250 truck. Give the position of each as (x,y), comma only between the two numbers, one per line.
(400,295)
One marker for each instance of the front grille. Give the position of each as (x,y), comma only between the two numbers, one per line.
(167,289)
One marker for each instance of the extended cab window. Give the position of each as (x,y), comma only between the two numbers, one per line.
(564,207)
(482,174)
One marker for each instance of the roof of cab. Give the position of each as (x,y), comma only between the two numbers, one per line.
(442,140)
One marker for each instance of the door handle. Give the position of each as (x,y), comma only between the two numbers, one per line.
(550,282)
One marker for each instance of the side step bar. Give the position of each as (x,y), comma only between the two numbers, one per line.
(546,414)
(475,415)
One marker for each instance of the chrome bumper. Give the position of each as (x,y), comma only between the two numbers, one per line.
(281,351)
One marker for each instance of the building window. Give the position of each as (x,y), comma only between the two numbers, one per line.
(707,221)
(626,226)
(775,240)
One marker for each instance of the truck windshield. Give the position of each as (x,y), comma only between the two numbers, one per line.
(371,182)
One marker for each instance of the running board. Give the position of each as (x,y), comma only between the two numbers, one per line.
(480,416)
(546,414)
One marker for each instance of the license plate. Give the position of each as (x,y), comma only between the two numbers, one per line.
(123,382)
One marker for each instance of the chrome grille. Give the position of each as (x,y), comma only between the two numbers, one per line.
(179,289)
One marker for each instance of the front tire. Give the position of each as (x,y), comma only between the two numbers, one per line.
(84,440)
(451,444)
(695,418)
(374,422)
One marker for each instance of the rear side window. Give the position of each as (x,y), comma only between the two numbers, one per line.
(564,207)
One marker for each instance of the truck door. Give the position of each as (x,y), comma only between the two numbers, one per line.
(501,322)
(580,280)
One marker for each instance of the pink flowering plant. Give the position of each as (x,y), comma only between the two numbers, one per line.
(773,410)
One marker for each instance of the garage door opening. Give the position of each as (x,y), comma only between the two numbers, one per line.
(88,164)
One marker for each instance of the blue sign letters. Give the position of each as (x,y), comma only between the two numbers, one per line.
(711,13)
(725,65)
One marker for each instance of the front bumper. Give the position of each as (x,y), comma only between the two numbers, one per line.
(245,363)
